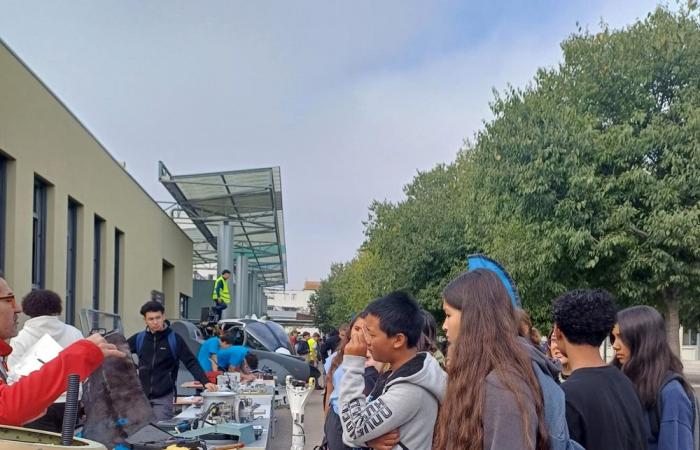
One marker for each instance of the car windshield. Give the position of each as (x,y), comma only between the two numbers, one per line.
(265,335)
(279,333)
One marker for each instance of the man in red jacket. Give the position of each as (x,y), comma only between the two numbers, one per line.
(28,398)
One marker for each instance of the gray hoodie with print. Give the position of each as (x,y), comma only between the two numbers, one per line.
(408,402)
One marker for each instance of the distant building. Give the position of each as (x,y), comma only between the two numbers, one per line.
(291,305)
(312,285)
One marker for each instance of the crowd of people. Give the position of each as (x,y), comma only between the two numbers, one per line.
(35,398)
(389,386)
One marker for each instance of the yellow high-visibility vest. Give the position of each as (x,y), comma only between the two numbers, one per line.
(312,348)
(224,294)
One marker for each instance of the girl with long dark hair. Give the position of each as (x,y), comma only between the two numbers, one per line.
(334,373)
(428,340)
(493,399)
(336,359)
(643,354)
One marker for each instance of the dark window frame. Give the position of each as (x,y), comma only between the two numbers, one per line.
(118,272)
(3,206)
(99,223)
(72,243)
(39,219)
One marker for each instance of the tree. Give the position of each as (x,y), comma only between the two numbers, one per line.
(588,177)
(419,242)
(320,302)
(345,292)
(592,174)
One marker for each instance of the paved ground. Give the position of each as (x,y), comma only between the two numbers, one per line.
(313,421)
(694,379)
(692,373)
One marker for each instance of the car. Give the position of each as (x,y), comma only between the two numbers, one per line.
(260,334)
(264,338)
(270,343)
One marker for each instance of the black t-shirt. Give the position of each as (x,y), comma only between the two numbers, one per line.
(371,376)
(603,410)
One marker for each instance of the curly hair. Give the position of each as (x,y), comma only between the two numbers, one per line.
(42,302)
(585,316)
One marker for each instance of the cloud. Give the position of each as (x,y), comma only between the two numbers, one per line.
(349,98)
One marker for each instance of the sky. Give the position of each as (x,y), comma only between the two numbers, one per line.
(349,98)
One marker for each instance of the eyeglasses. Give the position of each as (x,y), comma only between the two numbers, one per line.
(9,299)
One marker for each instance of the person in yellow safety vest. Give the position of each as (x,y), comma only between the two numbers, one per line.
(313,343)
(221,295)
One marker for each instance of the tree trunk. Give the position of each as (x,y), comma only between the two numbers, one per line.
(672,321)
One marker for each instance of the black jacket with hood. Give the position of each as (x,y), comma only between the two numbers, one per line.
(157,367)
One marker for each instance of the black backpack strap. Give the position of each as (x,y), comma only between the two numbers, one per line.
(655,418)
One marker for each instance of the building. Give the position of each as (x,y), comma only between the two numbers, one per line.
(72,219)
(291,300)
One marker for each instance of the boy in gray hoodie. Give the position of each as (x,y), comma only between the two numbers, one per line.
(407,398)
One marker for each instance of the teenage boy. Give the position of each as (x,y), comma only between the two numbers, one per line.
(603,410)
(231,354)
(409,399)
(206,356)
(159,363)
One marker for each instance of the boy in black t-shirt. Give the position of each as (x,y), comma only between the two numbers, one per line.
(603,410)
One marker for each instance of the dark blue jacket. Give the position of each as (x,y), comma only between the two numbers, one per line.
(676,426)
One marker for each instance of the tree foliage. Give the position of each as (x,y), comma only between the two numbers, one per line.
(589,176)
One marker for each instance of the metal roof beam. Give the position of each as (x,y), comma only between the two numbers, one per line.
(249,199)
(179,196)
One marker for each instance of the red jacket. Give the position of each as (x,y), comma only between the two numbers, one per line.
(28,398)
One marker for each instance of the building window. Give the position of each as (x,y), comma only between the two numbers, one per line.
(3,201)
(39,235)
(71,260)
(118,255)
(184,306)
(97,262)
